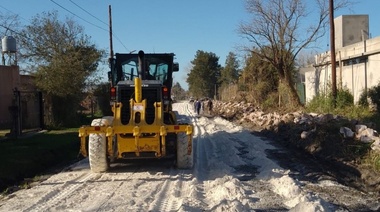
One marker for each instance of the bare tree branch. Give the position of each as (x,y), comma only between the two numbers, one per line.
(280,29)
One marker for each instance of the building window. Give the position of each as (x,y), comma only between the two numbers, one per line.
(355,61)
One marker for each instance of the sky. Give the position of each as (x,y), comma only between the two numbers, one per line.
(165,26)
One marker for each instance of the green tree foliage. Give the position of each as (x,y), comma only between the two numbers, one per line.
(230,72)
(229,78)
(373,94)
(178,93)
(204,75)
(259,78)
(103,96)
(61,58)
(279,25)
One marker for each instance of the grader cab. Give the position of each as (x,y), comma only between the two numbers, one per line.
(143,124)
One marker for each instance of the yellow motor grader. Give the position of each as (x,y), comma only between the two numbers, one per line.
(143,124)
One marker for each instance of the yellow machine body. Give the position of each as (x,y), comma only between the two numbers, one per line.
(137,137)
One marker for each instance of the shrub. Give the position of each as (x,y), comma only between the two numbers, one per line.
(374,95)
(271,102)
(363,99)
(344,98)
(324,103)
(320,104)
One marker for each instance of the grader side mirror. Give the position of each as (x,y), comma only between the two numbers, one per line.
(175,67)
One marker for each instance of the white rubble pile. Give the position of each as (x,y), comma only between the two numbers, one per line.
(247,112)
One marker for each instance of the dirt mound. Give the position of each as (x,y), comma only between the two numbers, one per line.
(317,137)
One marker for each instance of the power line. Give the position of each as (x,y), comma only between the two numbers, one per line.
(117,38)
(113,34)
(78,16)
(7,28)
(6,9)
(17,15)
(88,12)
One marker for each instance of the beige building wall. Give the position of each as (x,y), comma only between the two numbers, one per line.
(373,68)
(350,29)
(318,78)
(354,79)
(9,78)
(360,69)
(313,83)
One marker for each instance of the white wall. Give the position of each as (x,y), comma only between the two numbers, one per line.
(353,78)
(356,77)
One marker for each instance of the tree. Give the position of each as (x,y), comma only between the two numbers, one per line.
(178,93)
(230,72)
(9,24)
(204,75)
(259,78)
(305,59)
(102,95)
(279,25)
(63,58)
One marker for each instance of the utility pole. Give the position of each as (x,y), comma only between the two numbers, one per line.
(110,30)
(332,51)
(215,97)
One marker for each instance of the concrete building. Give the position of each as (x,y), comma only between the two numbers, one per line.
(18,92)
(9,79)
(350,29)
(21,105)
(357,59)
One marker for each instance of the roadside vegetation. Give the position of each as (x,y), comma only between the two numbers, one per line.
(346,158)
(366,111)
(27,158)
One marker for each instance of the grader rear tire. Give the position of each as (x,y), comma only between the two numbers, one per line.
(184,160)
(97,153)
(97,147)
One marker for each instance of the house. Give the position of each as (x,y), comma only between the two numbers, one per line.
(357,60)
(9,79)
(20,102)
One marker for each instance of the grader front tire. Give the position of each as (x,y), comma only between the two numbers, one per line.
(184,160)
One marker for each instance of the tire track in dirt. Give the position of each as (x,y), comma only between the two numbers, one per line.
(165,199)
(144,196)
(196,196)
(117,183)
(53,197)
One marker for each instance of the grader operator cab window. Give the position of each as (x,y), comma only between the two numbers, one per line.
(159,71)
(156,69)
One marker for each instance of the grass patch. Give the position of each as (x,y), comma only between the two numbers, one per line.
(3,133)
(372,159)
(27,157)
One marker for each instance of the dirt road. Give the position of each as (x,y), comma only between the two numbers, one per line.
(233,171)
